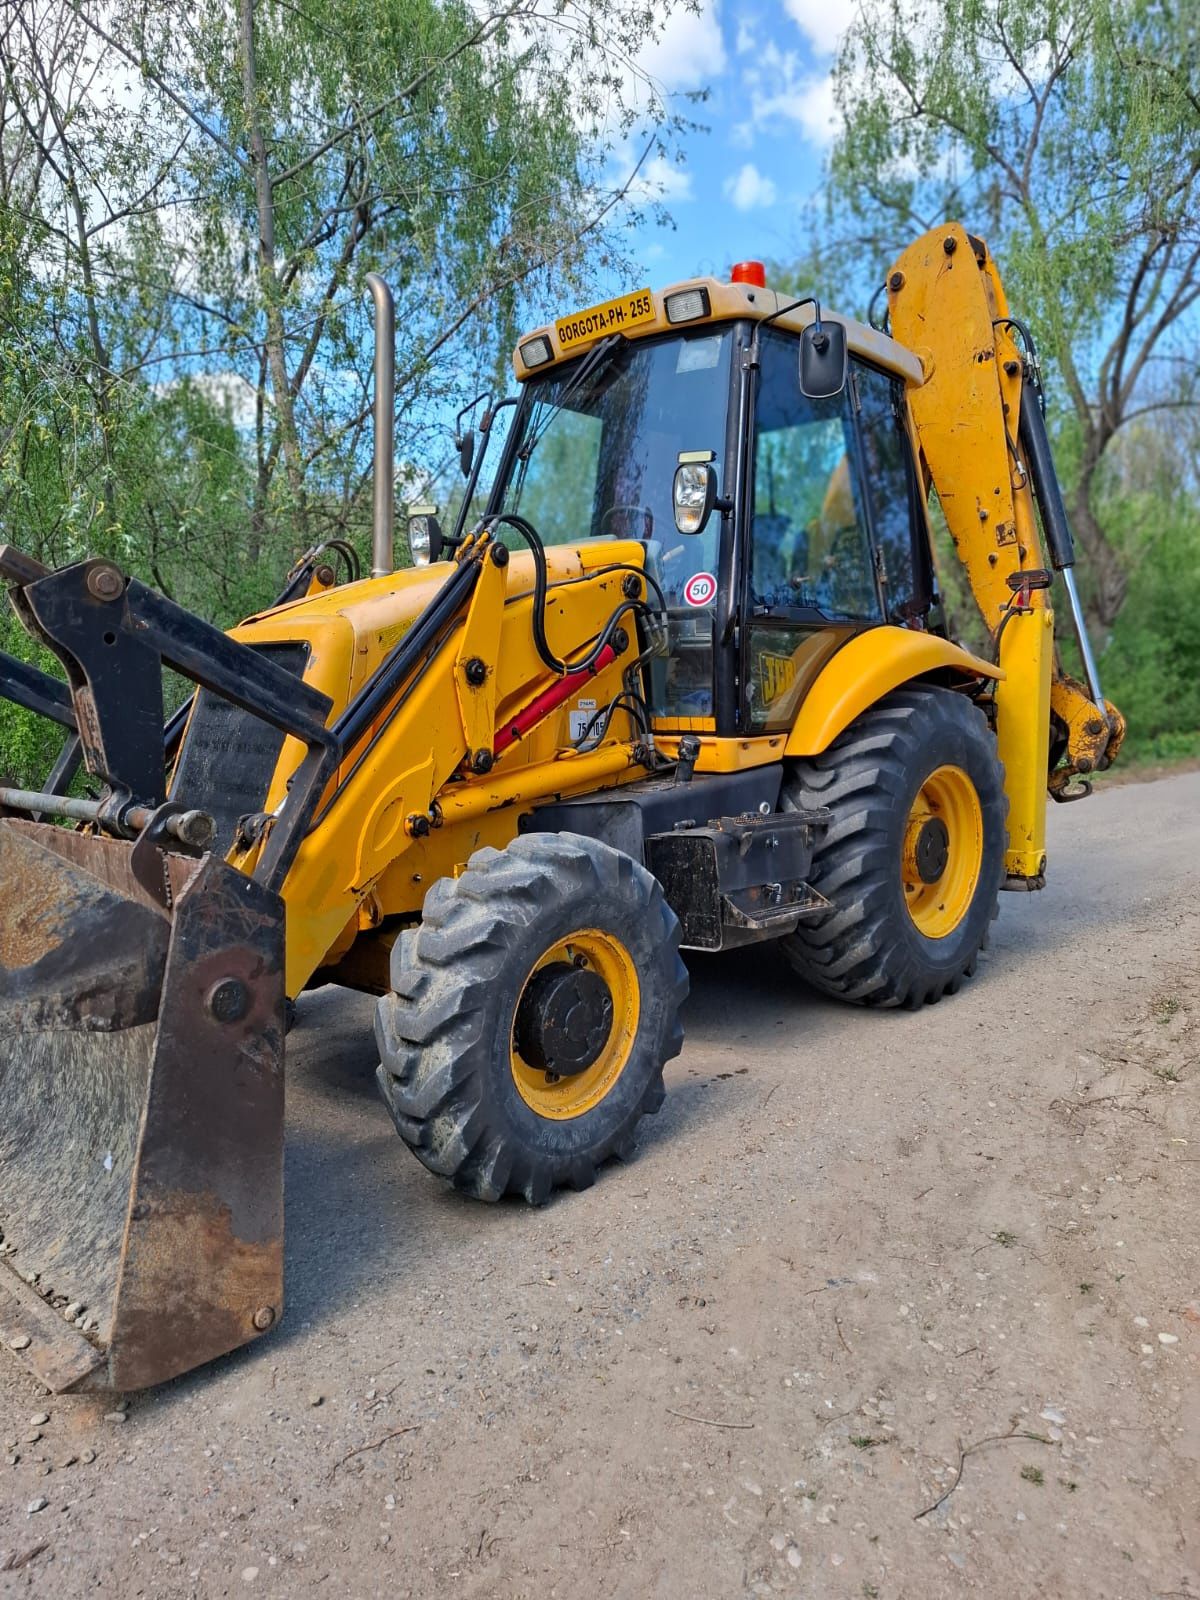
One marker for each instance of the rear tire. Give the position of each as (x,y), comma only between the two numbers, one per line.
(913,856)
(451,1035)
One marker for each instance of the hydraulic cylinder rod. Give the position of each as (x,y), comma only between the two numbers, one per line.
(1057,528)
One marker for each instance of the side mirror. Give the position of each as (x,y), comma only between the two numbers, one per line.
(466,452)
(694,491)
(425,538)
(822,360)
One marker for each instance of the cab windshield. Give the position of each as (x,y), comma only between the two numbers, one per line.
(596,460)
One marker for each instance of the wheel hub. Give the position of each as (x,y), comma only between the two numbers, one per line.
(942,851)
(932,849)
(564,1019)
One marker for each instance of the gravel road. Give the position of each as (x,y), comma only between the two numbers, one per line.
(887,1305)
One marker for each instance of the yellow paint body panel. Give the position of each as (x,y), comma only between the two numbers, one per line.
(865,669)
(728,755)
(1022,712)
(360,863)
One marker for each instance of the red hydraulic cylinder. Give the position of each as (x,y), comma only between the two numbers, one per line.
(541,706)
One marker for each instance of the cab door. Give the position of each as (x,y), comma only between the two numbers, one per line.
(831,528)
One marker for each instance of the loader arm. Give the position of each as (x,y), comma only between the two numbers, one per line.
(445,730)
(982,440)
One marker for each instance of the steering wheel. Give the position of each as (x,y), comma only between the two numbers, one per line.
(630,511)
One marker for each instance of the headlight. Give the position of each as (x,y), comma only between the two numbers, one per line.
(418,540)
(694,492)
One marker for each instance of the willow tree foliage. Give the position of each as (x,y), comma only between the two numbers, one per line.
(1066,133)
(191,195)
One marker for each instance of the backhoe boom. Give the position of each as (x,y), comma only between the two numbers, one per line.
(983,446)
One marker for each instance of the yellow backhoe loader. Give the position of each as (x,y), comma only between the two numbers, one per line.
(676,674)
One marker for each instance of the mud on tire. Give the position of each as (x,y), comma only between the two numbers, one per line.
(445,1033)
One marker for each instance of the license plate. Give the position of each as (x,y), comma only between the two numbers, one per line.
(613,316)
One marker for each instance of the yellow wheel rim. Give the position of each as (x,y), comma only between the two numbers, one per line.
(571,1096)
(942,852)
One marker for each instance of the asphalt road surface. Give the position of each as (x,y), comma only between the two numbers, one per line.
(886,1305)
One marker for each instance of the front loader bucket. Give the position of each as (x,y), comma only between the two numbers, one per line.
(141,1109)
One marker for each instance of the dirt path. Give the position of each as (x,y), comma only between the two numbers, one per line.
(887,1305)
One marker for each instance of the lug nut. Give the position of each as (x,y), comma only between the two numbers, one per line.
(950,245)
(896,282)
(481,761)
(264,1317)
(476,671)
(417,825)
(499,555)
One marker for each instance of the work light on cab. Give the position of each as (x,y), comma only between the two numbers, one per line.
(687,305)
(536,352)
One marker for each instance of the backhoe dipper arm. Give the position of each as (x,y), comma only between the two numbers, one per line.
(982,437)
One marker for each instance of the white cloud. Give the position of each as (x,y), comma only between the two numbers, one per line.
(659,179)
(782,88)
(747,39)
(690,51)
(822,22)
(748,189)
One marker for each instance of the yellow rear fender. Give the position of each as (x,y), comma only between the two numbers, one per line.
(866,668)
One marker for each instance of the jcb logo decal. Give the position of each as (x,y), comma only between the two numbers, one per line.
(776,674)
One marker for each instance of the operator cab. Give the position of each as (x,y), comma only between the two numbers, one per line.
(777,522)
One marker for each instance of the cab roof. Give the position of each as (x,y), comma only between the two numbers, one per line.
(726,302)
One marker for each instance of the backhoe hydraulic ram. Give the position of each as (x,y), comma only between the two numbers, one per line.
(1061,544)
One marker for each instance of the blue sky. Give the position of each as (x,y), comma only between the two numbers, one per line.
(748,187)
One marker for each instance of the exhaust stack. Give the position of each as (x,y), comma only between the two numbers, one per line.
(383,551)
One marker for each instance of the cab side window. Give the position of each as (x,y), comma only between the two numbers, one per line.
(810,548)
(887,456)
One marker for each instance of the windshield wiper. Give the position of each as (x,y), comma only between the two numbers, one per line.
(596,358)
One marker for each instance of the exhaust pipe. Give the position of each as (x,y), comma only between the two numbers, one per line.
(383,556)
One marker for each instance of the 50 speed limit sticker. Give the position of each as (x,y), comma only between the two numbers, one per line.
(700,590)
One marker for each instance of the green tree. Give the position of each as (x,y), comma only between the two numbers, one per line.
(466,152)
(191,196)
(1066,132)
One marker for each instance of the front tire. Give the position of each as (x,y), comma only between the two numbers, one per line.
(913,855)
(532,1012)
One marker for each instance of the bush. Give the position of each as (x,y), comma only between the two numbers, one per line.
(1151,666)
